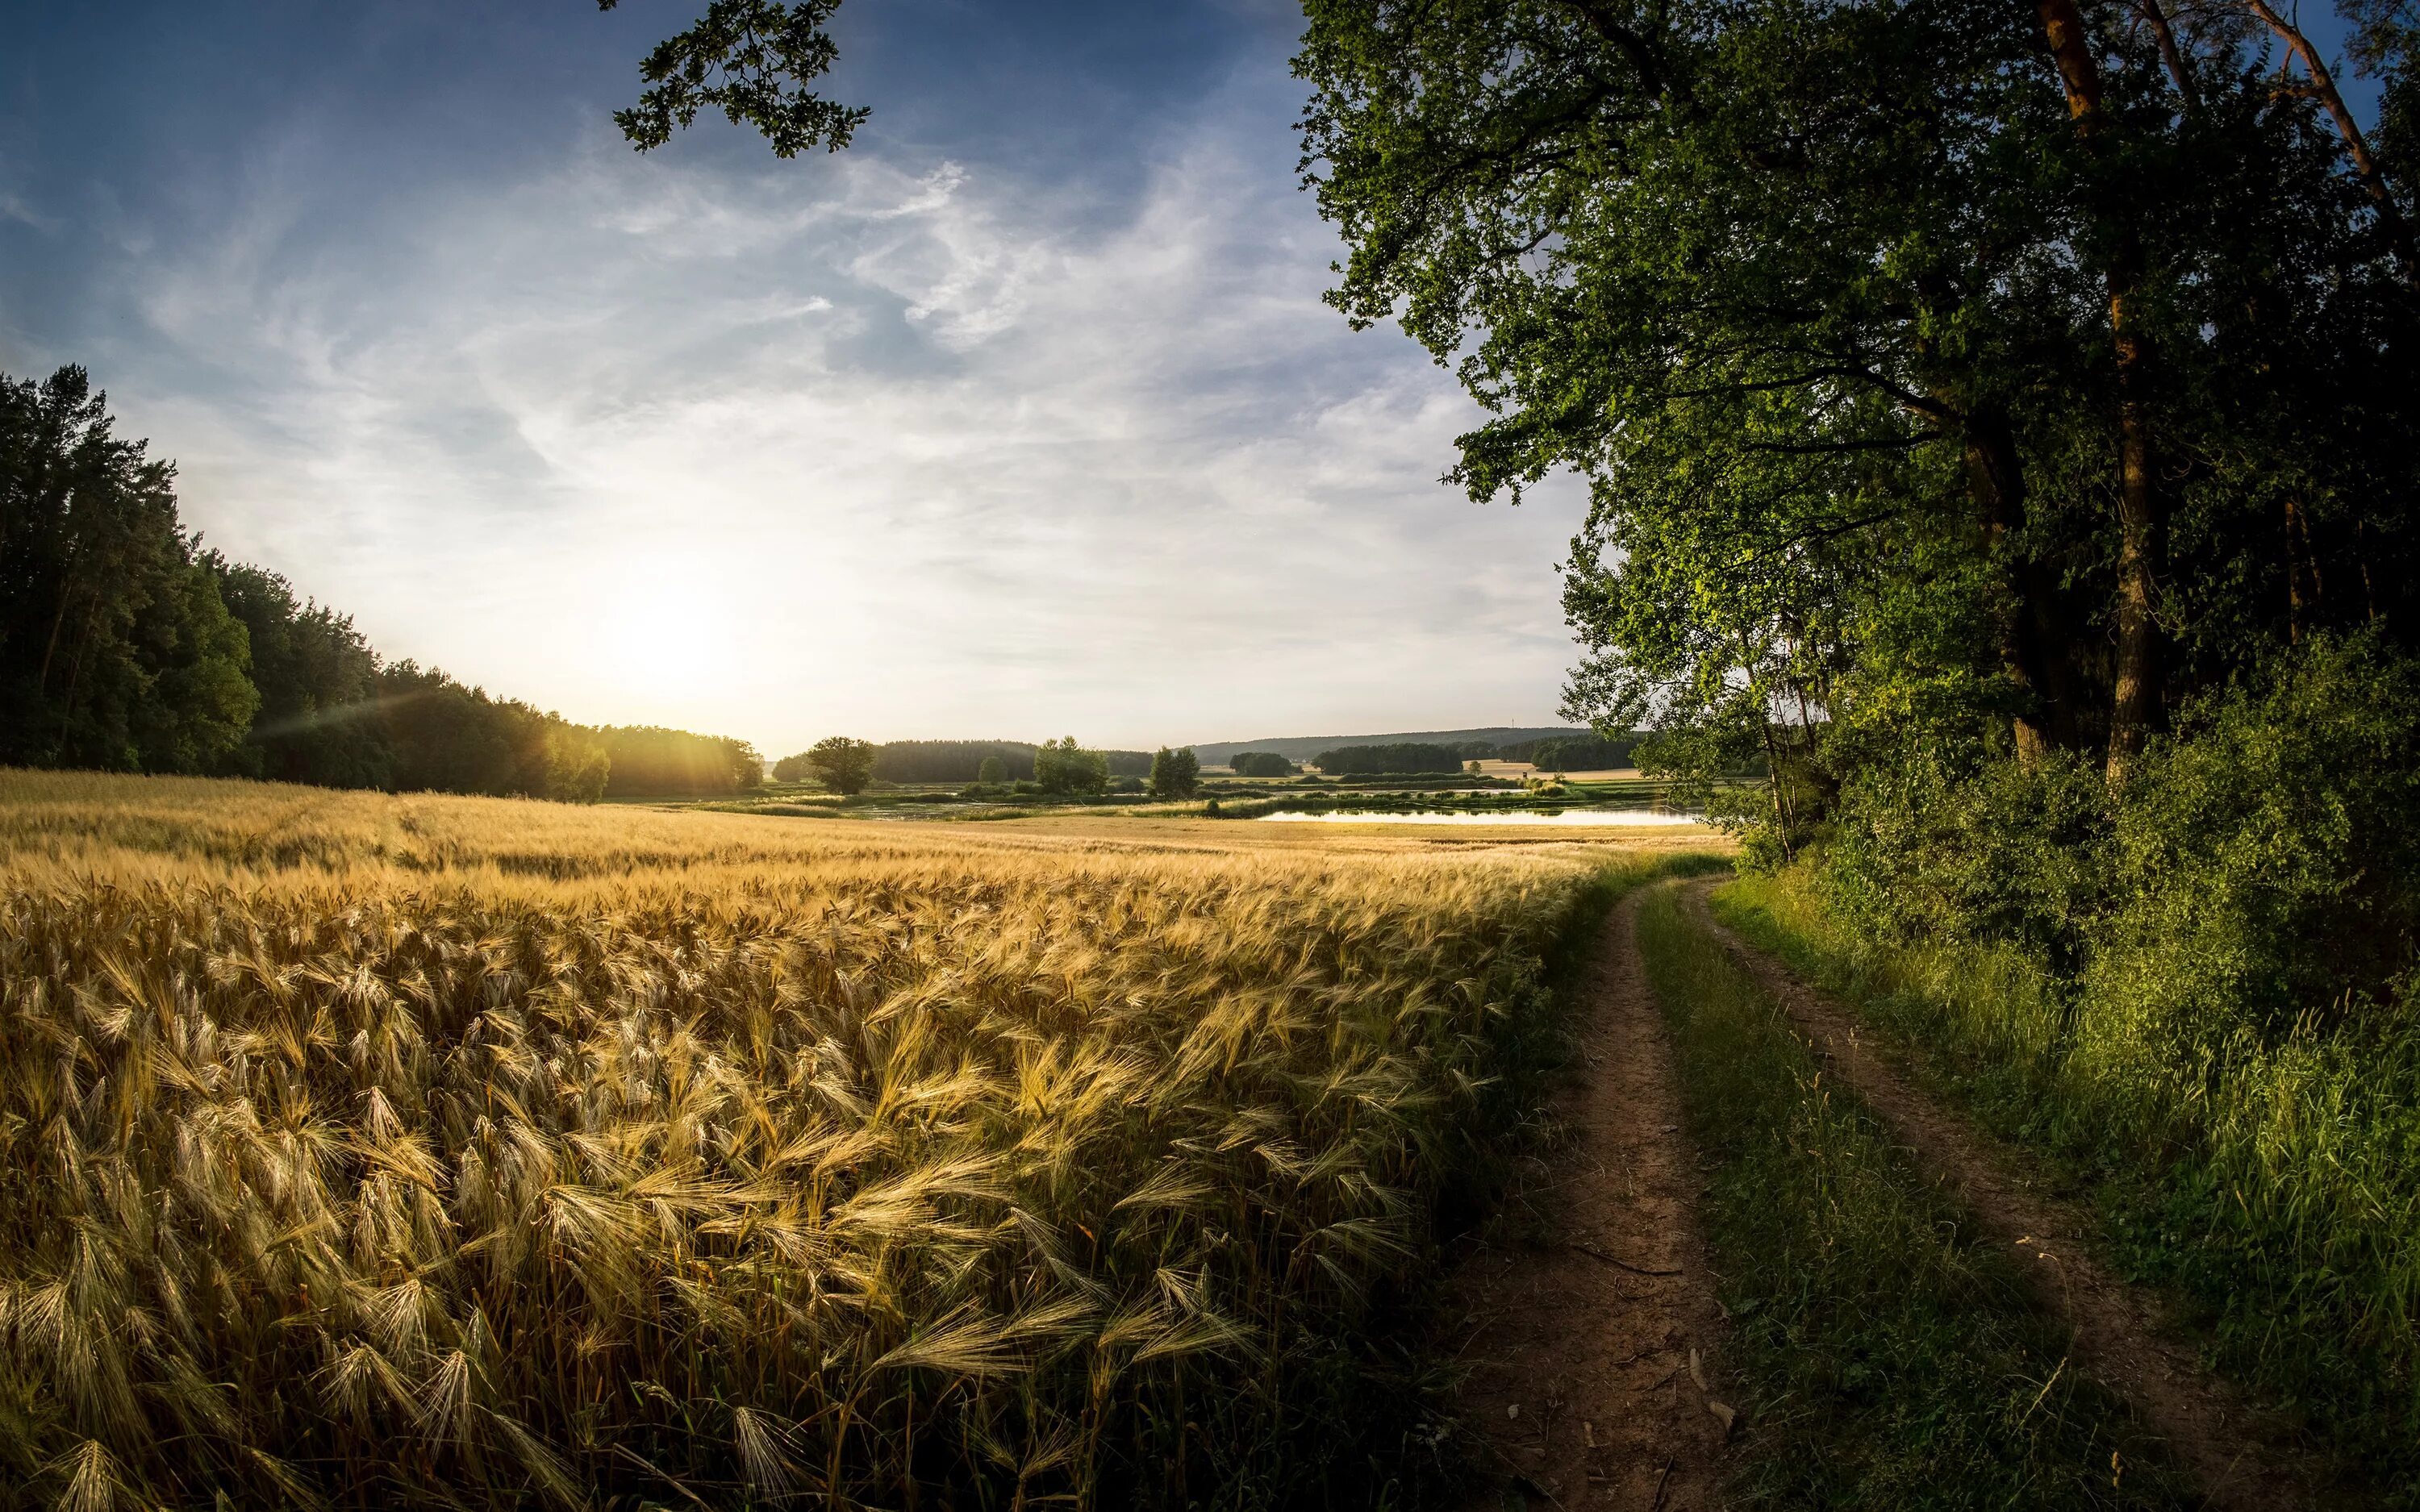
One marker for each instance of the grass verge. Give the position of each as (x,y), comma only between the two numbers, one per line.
(1888,1361)
(2271,1189)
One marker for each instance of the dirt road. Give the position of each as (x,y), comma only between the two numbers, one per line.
(1595,1339)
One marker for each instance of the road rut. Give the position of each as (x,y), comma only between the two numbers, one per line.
(2209,1430)
(1593,1344)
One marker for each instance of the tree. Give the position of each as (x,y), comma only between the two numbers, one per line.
(993,772)
(842,765)
(318,720)
(1948,378)
(753,60)
(1175,773)
(794,769)
(115,649)
(577,764)
(1062,766)
(1260,763)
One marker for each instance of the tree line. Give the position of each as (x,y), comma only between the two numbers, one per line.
(1401,758)
(911,763)
(1056,768)
(126,645)
(1581,753)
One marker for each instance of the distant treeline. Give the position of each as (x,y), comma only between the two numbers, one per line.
(910,762)
(1585,753)
(1558,753)
(125,646)
(950,761)
(1347,761)
(649,761)
(1484,740)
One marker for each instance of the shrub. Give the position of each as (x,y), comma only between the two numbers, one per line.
(1996,855)
(2200,986)
(2267,859)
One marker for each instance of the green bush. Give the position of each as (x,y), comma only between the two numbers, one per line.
(1998,854)
(2265,865)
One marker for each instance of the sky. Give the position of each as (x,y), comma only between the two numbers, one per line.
(1022,417)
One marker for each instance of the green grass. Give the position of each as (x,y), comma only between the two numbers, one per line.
(2271,1190)
(1888,1361)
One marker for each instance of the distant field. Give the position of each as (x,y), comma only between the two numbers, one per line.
(416,1150)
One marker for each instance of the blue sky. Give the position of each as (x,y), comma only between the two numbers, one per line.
(1020,417)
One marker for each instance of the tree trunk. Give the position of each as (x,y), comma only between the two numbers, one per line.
(1784,817)
(2170,57)
(2365,163)
(2036,645)
(2134,711)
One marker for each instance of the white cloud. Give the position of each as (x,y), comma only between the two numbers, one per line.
(893,448)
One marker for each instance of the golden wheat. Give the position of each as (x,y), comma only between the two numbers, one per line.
(374,1151)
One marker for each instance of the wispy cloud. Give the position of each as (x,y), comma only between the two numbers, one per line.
(891,446)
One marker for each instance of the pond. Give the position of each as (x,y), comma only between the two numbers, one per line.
(1590,818)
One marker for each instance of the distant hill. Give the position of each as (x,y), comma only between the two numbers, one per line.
(1302,747)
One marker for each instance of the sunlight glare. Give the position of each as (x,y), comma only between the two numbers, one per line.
(668,628)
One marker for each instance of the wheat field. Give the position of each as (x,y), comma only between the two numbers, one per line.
(372,1151)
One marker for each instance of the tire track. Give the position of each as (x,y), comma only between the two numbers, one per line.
(2210,1431)
(1593,1346)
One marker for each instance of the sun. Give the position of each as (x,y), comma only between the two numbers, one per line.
(670,627)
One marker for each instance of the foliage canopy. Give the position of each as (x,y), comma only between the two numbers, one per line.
(1064,768)
(1175,773)
(842,764)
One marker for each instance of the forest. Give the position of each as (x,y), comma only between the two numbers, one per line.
(1406,757)
(907,763)
(1584,754)
(126,645)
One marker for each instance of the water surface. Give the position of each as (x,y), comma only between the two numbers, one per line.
(1576,817)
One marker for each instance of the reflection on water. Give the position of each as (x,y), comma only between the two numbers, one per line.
(1590,817)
